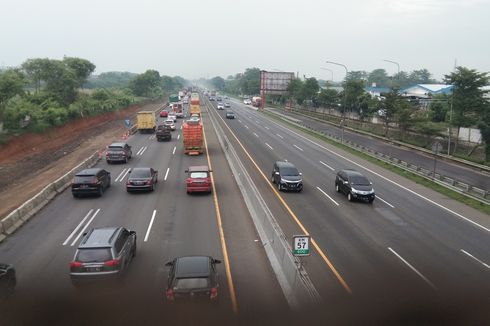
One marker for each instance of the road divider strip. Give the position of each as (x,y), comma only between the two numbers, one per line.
(150,225)
(326,195)
(166,174)
(85,227)
(412,268)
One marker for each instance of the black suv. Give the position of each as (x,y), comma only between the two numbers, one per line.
(192,278)
(90,181)
(118,152)
(354,185)
(103,253)
(286,176)
(7,280)
(163,133)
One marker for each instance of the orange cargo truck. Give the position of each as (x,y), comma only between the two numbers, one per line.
(192,137)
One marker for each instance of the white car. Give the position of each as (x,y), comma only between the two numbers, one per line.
(172,116)
(220,106)
(247,101)
(170,123)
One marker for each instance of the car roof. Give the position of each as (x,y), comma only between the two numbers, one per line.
(282,164)
(192,266)
(229,111)
(119,144)
(88,172)
(351,172)
(141,169)
(198,168)
(100,237)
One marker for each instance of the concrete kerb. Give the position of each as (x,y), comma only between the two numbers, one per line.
(297,287)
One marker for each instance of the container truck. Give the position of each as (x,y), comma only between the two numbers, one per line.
(145,121)
(195,109)
(192,137)
(174,98)
(178,109)
(256,101)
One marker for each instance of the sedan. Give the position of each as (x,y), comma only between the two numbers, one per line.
(230,114)
(227,105)
(169,123)
(163,114)
(220,106)
(142,179)
(172,116)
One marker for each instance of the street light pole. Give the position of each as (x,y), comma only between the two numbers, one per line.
(331,71)
(398,66)
(345,97)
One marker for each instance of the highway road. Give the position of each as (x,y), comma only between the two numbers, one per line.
(412,248)
(453,170)
(168,223)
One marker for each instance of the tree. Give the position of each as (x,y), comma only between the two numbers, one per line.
(469,102)
(422,76)
(147,84)
(81,68)
(357,75)
(353,89)
(12,82)
(379,77)
(250,81)
(389,107)
(439,107)
(294,89)
(328,97)
(484,126)
(310,88)
(36,70)
(61,82)
(218,83)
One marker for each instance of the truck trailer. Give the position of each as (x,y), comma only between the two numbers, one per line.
(146,121)
(192,137)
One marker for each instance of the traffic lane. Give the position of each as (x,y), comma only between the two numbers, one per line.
(250,266)
(458,172)
(357,213)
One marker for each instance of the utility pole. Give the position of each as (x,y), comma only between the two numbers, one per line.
(345,98)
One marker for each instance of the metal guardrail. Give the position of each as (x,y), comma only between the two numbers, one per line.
(476,193)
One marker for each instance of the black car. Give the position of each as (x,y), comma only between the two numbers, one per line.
(103,253)
(354,185)
(192,278)
(142,179)
(286,176)
(90,181)
(230,114)
(118,152)
(163,132)
(7,280)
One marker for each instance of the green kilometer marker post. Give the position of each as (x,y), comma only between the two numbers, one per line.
(301,245)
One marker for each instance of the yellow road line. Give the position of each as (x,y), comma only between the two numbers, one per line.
(293,215)
(231,287)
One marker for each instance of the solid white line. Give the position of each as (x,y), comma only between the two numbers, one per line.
(386,179)
(246,126)
(78,226)
(120,174)
(384,201)
(266,127)
(173,152)
(412,268)
(85,227)
(151,224)
(239,120)
(478,260)
(280,136)
(298,147)
(166,174)
(144,149)
(178,136)
(323,192)
(328,166)
(138,152)
(124,176)
(269,146)
(256,135)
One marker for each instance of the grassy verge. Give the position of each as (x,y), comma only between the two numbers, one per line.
(484,208)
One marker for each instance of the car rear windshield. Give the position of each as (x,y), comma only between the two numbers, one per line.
(359,180)
(191,283)
(83,178)
(199,175)
(140,173)
(96,255)
(289,171)
(115,148)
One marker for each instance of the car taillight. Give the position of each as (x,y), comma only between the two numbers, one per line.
(148,182)
(95,181)
(214,293)
(188,180)
(75,264)
(170,295)
(112,263)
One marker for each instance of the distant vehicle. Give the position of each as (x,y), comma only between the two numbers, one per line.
(178,109)
(256,101)
(198,179)
(185,100)
(181,95)
(227,104)
(93,181)
(355,185)
(286,176)
(172,116)
(247,101)
(142,179)
(103,253)
(219,99)
(170,124)
(193,278)
(212,98)
(145,121)
(192,137)
(195,109)
(163,133)
(230,114)
(163,113)
(226,97)
(118,152)
(220,106)
(8,280)
(173,98)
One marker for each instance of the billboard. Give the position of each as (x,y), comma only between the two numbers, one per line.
(275,83)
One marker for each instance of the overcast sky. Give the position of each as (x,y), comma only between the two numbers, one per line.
(206,38)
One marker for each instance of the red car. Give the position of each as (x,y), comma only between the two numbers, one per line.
(198,179)
(163,113)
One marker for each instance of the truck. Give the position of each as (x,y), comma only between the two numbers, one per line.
(192,137)
(174,98)
(146,121)
(256,101)
(195,109)
(181,95)
(178,109)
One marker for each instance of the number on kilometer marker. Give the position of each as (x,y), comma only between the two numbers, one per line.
(301,245)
